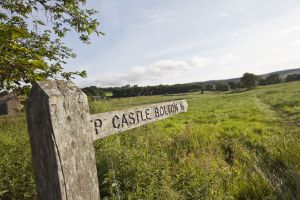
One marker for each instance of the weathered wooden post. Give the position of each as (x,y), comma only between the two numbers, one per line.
(62,133)
(60,137)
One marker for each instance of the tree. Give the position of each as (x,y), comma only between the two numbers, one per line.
(292,77)
(210,87)
(233,85)
(31,47)
(239,84)
(222,87)
(262,81)
(249,80)
(273,79)
(93,91)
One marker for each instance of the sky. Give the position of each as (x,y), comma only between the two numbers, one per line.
(151,42)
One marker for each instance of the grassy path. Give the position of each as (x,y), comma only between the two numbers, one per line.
(289,141)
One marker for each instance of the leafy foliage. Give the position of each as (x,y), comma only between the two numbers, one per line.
(222,87)
(31,33)
(271,79)
(233,85)
(292,77)
(129,91)
(249,80)
(93,91)
(210,87)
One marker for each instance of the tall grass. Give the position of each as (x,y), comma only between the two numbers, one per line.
(16,173)
(227,146)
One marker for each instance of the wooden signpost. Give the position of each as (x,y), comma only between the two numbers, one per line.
(62,133)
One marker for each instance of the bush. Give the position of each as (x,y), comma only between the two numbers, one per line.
(292,77)
(222,87)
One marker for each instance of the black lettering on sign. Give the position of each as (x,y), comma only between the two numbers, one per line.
(181,106)
(147,114)
(156,112)
(124,120)
(137,116)
(175,107)
(130,116)
(114,121)
(172,108)
(165,111)
(143,119)
(98,125)
(169,110)
(161,111)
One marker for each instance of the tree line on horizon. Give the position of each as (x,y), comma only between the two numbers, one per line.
(247,81)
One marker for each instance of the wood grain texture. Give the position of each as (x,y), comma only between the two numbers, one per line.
(60,136)
(109,123)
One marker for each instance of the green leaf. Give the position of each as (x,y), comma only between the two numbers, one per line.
(39,64)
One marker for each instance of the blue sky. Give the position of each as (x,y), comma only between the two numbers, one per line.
(150,42)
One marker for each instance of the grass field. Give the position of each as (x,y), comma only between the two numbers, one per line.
(227,146)
(109,94)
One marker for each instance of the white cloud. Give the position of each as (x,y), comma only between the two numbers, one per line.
(296,42)
(240,10)
(157,71)
(160,17)
(224,15)
(289,30)
(228,59)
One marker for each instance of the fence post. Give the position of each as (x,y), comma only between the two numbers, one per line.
(61,142)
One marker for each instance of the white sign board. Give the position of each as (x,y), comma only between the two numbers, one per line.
(109,123)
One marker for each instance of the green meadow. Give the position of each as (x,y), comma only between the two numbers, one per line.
(227,146)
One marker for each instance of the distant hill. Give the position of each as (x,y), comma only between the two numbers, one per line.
(194,85)
(212,85)
(282,73)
